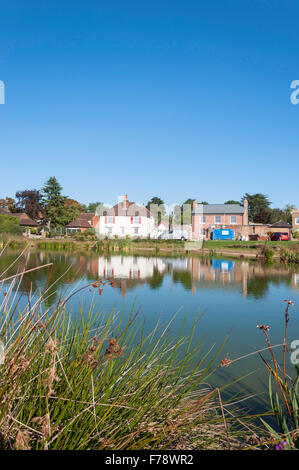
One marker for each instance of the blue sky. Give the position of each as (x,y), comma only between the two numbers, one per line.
(175,99)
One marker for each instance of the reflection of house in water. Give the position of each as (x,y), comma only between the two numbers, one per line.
(295,280)
(128,271)
(251,279)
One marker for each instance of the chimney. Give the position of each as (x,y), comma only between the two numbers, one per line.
(126,202)
(194,204)
(245,216)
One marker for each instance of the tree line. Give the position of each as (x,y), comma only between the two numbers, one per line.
(53,209)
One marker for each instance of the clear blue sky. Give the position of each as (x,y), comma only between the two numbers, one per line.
(174,99)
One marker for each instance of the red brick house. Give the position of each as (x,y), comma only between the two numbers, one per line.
(207,217)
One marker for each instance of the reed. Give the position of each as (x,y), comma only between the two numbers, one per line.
(94,381)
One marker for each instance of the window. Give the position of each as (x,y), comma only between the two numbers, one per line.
(296,220)
(136,229)
(122,230)
(110,220)
(202,219)
(202,232)
(136,220)
(233,219)
(217,219)
(109,230)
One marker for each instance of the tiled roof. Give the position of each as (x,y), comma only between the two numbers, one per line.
(219,209)
(281,224)
(132,210)
(81,222)
(25,220)
(4,210)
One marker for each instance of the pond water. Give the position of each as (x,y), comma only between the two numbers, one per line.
(234,297)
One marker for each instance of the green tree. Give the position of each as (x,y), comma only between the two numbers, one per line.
(73,210)
(256,202)
(232,201)
(158,214)
(92,206)
(278,214)
(288,210)
(10,224)
(54,204)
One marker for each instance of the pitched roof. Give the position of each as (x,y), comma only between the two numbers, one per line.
(83,220)
(281,224)
(132,210)
(219,209)
(4,210)
(25,220)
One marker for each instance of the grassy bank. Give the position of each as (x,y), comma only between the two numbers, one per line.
(286,252)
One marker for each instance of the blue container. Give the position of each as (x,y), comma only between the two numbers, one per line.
(223,234)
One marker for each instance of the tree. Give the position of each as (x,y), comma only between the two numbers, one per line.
(263,217)
(9,203)
(10,224)
(30,202)
(186,211)
(155,200)
(55,208)
(73,210)
(256,202)
(232,201)
(92,206)
(277,214)
(160,211)
(288,210)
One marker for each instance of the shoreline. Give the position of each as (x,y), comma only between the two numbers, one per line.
(254,250)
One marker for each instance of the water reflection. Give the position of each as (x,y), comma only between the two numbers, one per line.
(252,279)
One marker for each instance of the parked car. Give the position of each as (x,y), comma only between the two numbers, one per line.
(175,235)
(280,236)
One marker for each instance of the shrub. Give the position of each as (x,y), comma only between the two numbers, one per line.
(10,224)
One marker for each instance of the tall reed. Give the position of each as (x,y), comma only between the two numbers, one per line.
(94,381)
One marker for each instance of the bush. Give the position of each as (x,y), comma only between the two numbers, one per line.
(10,224)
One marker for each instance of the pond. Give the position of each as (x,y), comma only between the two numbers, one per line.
(233,296)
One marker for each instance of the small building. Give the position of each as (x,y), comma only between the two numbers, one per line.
(86,220)
(25,221)
(160,229)
(281,226)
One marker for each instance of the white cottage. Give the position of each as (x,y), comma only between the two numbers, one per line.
(126,219)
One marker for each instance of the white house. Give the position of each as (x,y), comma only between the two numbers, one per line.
(126,219)
(160,229)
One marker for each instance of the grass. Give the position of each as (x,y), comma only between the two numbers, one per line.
(285,401)
(91,381)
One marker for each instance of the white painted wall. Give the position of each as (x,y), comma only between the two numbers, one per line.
(123,226)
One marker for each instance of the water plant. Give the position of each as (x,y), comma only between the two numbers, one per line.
(285,401)
(96,381)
